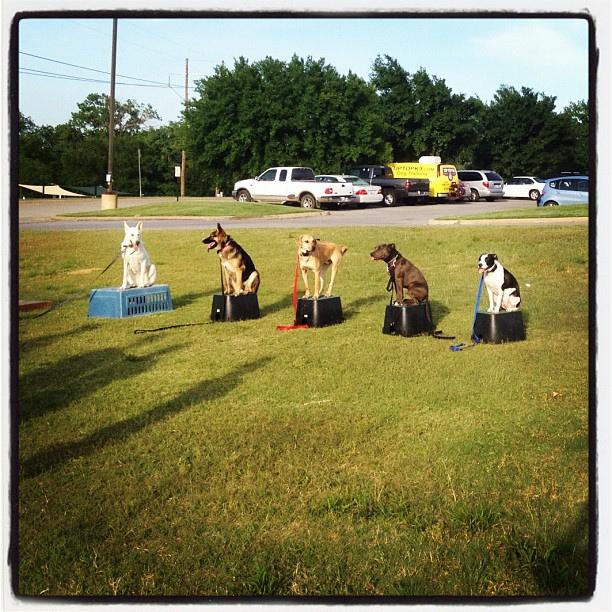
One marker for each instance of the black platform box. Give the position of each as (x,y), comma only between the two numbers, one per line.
(320,312)
(234,307)
(499,327)
(408,320)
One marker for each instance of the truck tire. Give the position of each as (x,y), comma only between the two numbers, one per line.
(308,201)
(389,198)
(243,196)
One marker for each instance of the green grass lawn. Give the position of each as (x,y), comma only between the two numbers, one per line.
(537,212)
(225,207)
(234,459)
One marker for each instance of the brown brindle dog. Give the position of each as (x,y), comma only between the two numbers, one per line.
(403,275)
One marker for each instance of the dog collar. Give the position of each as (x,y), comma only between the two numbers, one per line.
(391,264)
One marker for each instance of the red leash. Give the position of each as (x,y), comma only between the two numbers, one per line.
(293,302)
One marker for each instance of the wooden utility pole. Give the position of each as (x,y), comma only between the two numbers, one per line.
(183,153)
(111,109)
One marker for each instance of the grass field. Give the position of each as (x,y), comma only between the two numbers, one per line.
(233,459)
(217,207)
(544,212)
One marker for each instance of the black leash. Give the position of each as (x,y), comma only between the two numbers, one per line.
(79,297)
(156,329)
(434,333)
(115,258)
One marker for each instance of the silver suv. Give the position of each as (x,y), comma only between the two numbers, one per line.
(482,184)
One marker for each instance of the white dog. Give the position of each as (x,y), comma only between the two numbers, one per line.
(138,271)
(502,287)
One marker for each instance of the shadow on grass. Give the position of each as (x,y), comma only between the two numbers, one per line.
(285,303)
(55,386)
(352,308)
(438,311)
(189,298)
(561,567)
(205,391)
(41,341)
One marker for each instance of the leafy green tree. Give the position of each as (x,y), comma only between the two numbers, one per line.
(576,114)
(130,116)
(523,134)
(37,162)
(270,113)
(421,115)
(160,153)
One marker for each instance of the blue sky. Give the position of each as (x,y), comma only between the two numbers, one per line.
(475,56)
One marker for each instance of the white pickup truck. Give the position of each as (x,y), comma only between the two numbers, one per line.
(293,184)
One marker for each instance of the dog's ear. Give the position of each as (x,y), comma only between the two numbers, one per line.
(139,226)
(392,246)
(126,227)
(493,255)
(219,228)
(299,240)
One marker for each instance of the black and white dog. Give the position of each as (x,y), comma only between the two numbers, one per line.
(502,287)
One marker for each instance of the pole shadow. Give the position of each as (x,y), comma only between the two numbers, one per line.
(55,386)
(207,390)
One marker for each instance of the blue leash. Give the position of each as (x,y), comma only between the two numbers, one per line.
(475,339)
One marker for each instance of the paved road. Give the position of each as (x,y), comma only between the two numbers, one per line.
(41,214)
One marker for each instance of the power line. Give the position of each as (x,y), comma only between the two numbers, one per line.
(68,77)
(124,76)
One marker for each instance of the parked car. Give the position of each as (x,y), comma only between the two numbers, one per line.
(483,184)
(565,190)
(364,192)
(292,184)
(394,190)
(524,187)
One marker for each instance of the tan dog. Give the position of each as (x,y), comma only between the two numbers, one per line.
(316,256)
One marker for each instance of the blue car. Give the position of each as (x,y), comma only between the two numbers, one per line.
(565,190)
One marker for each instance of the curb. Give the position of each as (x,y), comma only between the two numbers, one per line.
(537,221)
(188,217)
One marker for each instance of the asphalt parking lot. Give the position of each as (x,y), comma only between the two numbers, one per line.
(44,214)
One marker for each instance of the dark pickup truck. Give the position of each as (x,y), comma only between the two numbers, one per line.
(394,189)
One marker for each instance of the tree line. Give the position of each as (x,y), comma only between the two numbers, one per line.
(245,119)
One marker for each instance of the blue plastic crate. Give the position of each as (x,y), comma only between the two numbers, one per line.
(116,303)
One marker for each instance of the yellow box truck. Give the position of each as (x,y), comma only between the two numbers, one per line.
(443,178)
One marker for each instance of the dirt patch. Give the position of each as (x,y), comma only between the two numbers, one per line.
(84,271)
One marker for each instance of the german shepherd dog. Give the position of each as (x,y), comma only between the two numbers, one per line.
(238,270)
